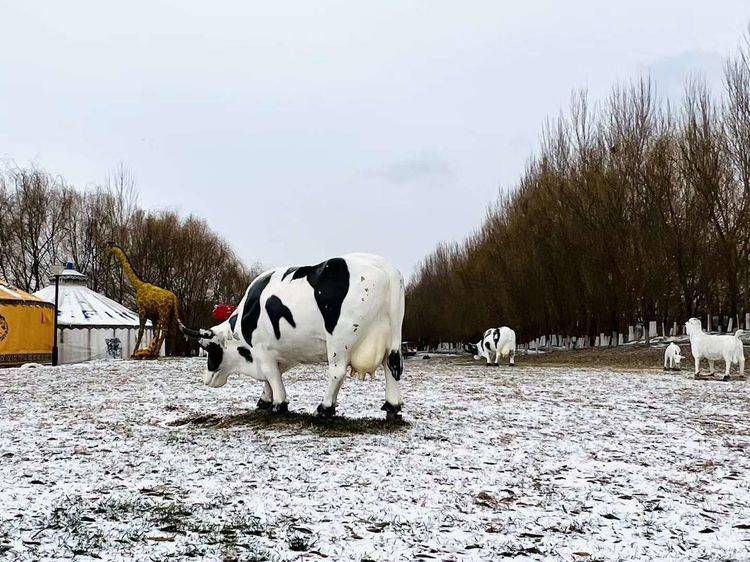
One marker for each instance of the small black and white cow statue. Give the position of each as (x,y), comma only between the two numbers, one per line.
(346,310)
(496,343)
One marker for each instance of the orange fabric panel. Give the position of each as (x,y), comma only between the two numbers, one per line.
(25,329)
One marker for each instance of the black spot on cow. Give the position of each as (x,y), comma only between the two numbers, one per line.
(233,321)
(276,311)
(245,352)
(496,335)
(396,364)
(288,272)
(251,310)
(486,344)
(330,283)
(215,355)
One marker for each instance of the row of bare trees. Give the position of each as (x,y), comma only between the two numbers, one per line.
(45,222)
(631,211)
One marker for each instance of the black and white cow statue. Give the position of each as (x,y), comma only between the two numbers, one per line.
(495,343)
(346,310)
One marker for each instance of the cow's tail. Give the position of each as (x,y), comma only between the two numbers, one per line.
(396,312)
(738,334)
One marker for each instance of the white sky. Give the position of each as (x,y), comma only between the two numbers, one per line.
(302,130)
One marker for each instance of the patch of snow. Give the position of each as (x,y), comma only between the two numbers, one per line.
(533,462)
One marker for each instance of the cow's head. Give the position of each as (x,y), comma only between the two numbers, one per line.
(226,354)
(474,349)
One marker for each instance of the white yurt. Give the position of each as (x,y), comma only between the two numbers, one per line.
(90,325)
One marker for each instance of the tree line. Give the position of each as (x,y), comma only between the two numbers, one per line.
(632,210)
(45,222)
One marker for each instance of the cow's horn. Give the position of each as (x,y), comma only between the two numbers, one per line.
(196,334)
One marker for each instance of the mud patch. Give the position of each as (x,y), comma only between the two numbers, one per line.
(329,427)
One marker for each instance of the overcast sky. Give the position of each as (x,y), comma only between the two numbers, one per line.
(302,130)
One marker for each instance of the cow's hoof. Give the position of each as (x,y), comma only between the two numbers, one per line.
(323,412)
(265,405)
(282,408)
(724,377)
(391,412)
(668,369)
(677,369)
(511,364)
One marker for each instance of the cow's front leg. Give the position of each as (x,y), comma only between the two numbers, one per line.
(697,366)
(265,402)
(273,377)
(711,369)
(336,374)
(512,360)
(393,398)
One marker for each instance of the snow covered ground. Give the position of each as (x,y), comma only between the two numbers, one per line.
(138,460)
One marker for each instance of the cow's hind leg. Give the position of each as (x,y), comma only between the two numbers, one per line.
(393,365)
(337,366)
(265,402)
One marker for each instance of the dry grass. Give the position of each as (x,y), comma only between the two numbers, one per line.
(640,357)
(630,357)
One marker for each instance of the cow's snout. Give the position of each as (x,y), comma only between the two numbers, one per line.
(214,379)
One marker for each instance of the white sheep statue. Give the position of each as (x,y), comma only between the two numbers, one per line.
(672,357)
(727,348)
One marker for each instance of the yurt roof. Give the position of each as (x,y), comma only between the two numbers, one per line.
(13,295)
(80,307)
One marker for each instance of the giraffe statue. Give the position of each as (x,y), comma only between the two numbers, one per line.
(154,303)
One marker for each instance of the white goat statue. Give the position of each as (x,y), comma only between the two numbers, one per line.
(727,348)
(672,357)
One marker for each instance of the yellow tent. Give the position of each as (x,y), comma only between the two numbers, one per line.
(26,325)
